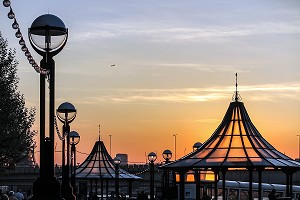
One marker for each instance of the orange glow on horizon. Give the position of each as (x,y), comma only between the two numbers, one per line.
(137,137)
(159,138)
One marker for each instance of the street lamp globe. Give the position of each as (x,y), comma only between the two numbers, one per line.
(197,145)
(48,34)
(152,157)
(167,155)
(74,138)
(117,160)
(66,112)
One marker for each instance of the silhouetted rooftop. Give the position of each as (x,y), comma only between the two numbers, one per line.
(236,143)
(100,165)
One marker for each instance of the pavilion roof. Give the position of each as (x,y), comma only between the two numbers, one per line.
(236,143)
(100,165)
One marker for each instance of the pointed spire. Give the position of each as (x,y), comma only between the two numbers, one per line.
(236,85)
(236,97)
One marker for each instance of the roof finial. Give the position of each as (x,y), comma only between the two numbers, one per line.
(236,85)
(236,97)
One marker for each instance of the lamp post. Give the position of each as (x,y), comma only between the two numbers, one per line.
(47,35)
(110,144)
(197,172)
(117,162)
(66,113)
(167,155)
(175,144)
(74,140)
(298,147)
(151,157)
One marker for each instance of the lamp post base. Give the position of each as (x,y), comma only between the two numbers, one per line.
(48,189)
(67,192)
(66,188)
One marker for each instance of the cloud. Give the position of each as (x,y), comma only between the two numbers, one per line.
(271,92)
(161,32)
(205,67)
(281,87)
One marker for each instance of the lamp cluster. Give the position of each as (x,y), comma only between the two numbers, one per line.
(18,34)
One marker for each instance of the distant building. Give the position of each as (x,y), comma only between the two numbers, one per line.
(123,157)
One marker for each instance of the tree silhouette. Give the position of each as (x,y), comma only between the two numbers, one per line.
(16,120)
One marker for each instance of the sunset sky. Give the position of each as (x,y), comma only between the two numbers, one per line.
(175,63)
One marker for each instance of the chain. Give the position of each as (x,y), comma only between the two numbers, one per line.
(18,34)
(61,137)
(138,173)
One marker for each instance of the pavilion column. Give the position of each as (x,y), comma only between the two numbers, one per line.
(224,170)
(289,181)
(91,186)
(96,189)
(259,184)
(181,184)
(250,183)
(106,188)
(216,172)
(101,188)
(197,180)
(210,188)
(287,173)
(165,184)
(130,188)
(291,184)
(287,185)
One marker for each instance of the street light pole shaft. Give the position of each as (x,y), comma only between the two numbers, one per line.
(175,147)
(51,111)
(151,181)
(166,182)
(175,144)
(299,147)
(73,167)
(74,170)
(42,123)
(68,156)
(117,181)
(110,144)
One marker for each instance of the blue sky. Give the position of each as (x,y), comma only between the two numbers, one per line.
(175,65)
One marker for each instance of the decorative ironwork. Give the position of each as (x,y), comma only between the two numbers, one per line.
(236,96)
(19,35)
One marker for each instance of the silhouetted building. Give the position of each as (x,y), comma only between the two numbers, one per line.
(123,157)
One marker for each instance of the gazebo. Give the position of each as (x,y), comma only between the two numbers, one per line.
(235,145)
(99,166)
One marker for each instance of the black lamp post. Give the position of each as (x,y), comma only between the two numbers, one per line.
(151,157)
(66,113)
(167,155)
(47,35)
(117,162)
(74,140)
(197,172)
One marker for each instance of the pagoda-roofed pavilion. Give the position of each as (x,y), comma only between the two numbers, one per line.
(99,166)
(235,144)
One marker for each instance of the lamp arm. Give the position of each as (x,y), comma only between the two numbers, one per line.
(72,118)
(54,53)
(42,53)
